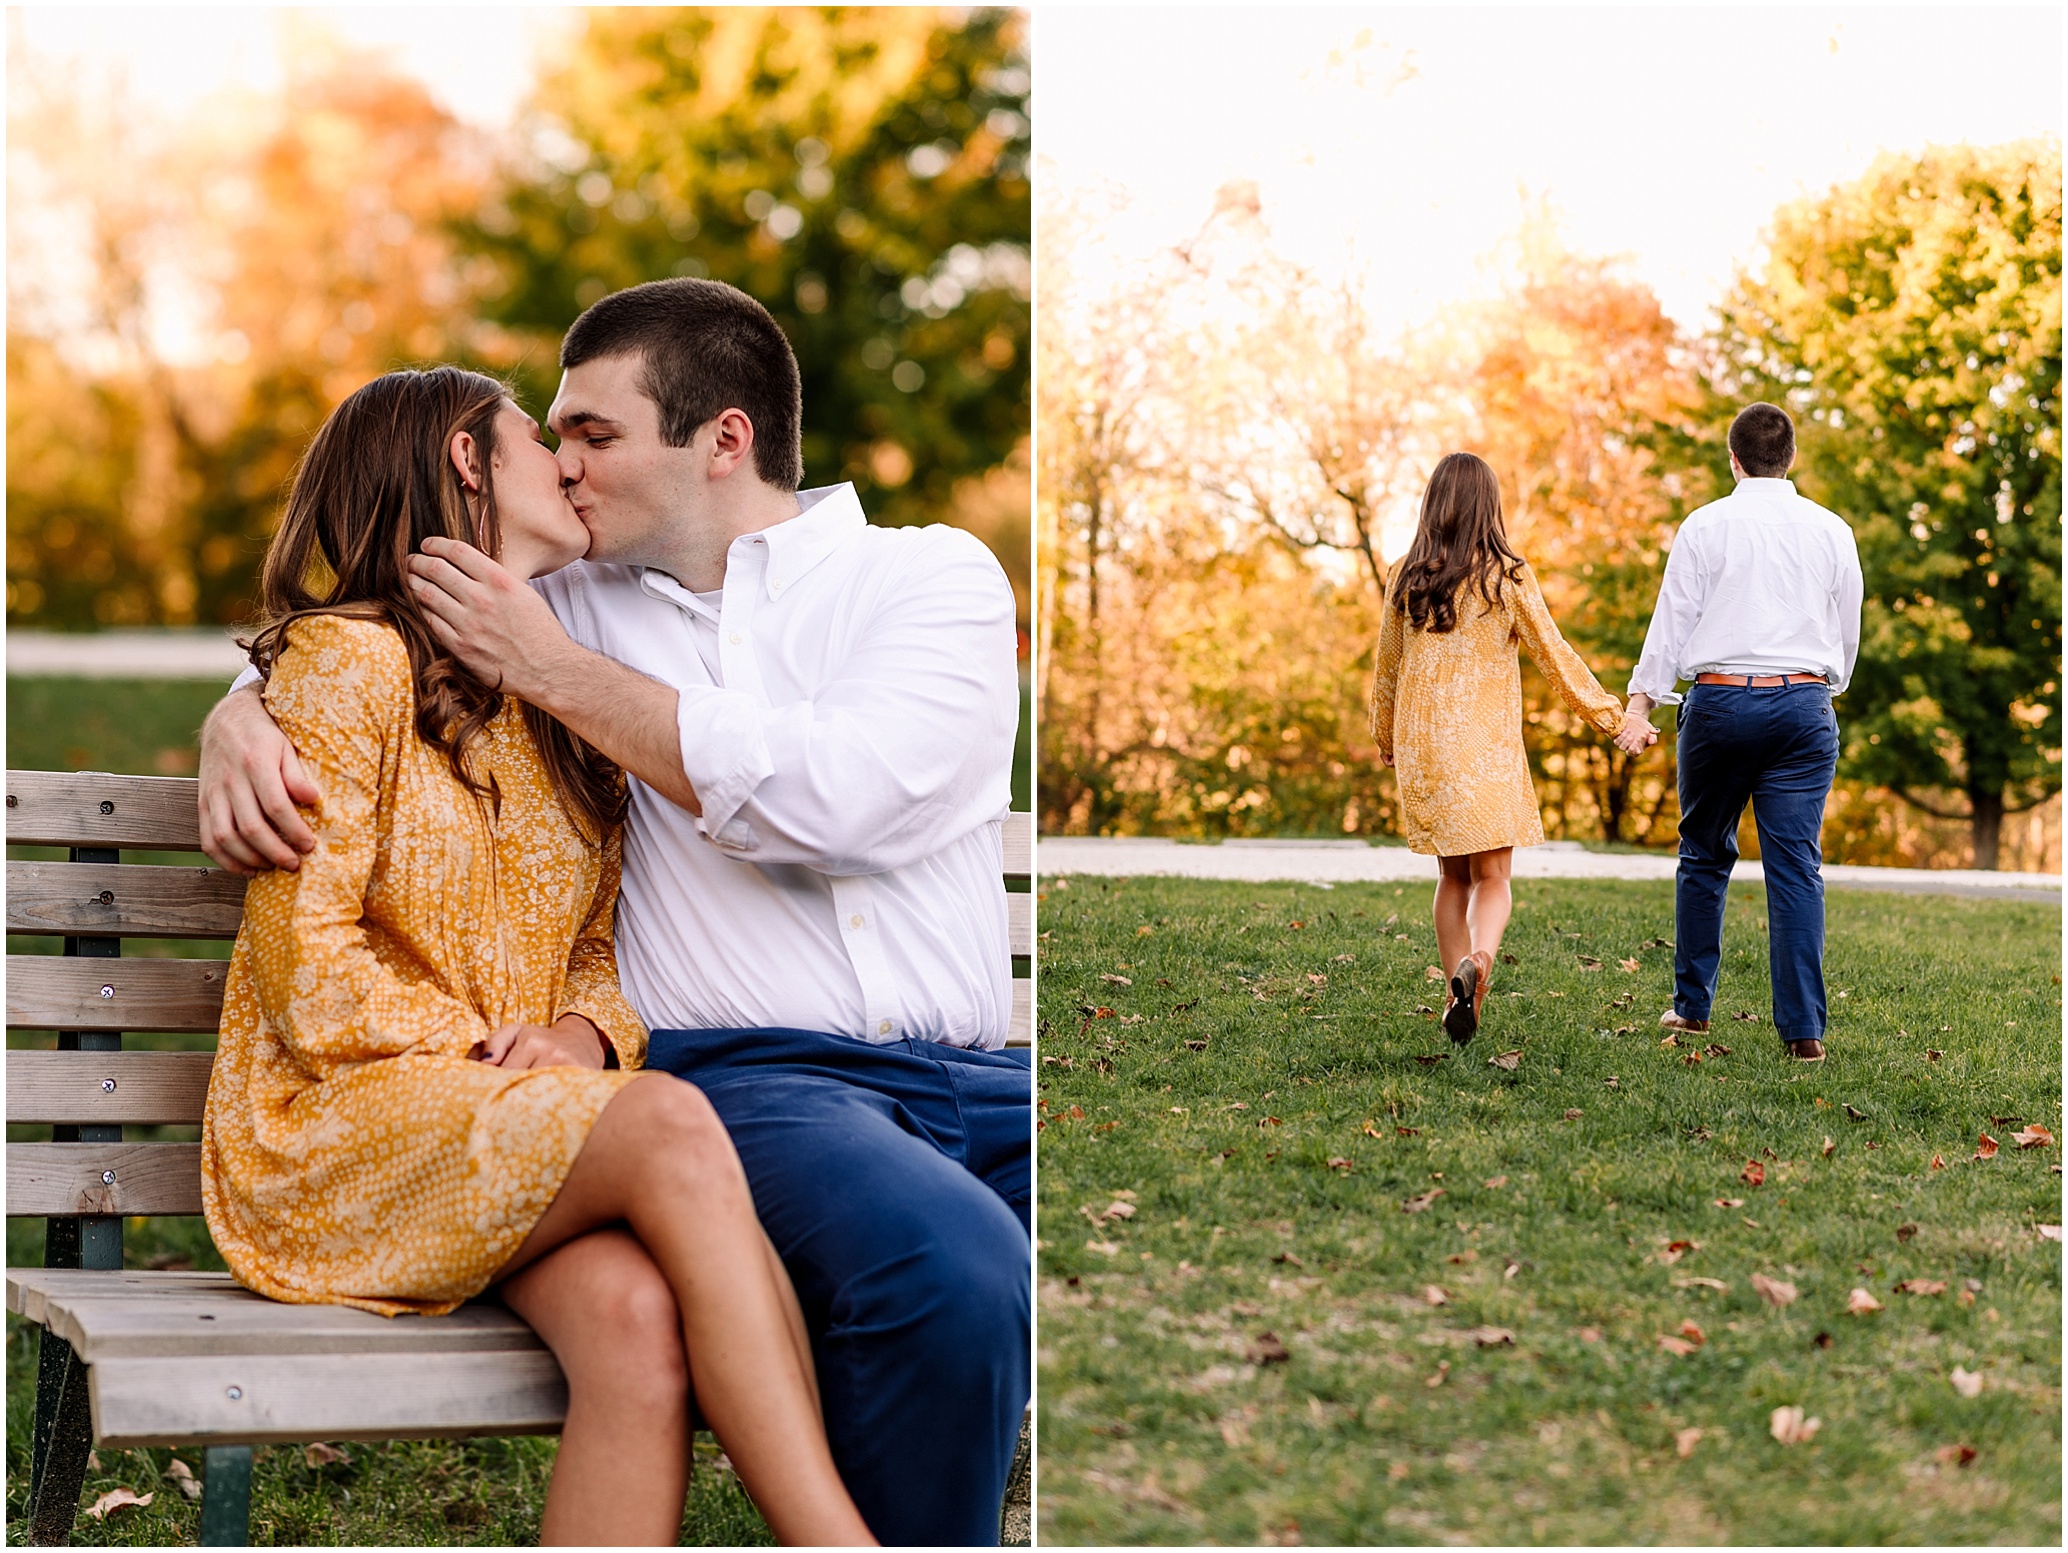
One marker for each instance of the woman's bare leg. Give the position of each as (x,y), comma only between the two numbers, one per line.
(659,1160)
(1453,900)
(1488,907)
(602,1306)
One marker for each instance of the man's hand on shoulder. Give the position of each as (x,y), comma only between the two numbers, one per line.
(490,620)
(251,781)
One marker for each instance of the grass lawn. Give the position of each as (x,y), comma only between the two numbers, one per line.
(1268,1348)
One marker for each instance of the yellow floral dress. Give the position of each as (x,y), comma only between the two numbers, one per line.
(1447,708)
(352,1154)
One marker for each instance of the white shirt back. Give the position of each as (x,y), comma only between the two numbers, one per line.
(847,714)
(1764,581)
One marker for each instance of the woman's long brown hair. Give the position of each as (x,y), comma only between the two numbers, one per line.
(374,485)
(1461,543)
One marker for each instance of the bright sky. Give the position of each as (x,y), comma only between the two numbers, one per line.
(476,60)
(1411,137)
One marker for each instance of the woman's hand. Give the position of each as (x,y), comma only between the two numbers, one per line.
(569,1042)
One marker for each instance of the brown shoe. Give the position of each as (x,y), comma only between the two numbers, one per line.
(1461,1017)
(1805,1051)
(1672,1021)
(1484,959)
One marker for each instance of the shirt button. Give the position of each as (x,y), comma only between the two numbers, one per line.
(735,638)
(883,1028)
(776,586)
(855,920)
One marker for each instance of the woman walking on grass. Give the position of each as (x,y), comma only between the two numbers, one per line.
(1446,709)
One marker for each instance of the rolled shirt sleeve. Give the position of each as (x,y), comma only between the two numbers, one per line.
(892,757)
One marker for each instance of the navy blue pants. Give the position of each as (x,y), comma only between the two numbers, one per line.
(896,1184)
(1777,747)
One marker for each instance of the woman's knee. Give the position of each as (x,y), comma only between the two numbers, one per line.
(675,1121)
(636,1327)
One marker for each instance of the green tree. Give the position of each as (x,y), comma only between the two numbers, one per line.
(1912,321)
(862,172)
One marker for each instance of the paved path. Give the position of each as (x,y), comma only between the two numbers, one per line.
(205,653)
(1336,862)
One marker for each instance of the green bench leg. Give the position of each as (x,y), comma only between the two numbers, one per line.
(59,1469)
(226,1497)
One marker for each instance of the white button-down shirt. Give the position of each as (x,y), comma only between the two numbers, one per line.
(847,714)
(1762,582)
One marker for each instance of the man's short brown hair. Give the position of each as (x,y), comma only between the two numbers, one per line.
(708,347)
(1763,439)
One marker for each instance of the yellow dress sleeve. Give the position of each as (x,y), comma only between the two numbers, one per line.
(342,694)
(1385,674)
(591,988)
(1552,654)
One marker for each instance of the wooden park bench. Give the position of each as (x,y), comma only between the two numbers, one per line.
(135,1358)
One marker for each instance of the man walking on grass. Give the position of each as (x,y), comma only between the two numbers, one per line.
(1760,607)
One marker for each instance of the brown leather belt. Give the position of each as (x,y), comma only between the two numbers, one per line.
(1743,680)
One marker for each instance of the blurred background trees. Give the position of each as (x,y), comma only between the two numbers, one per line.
(188,300)
(1229,459)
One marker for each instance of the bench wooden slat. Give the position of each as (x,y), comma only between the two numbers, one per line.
(152,1089)
(65,809)
(48,992)
(1019,845)
(66,1178)
(1019,923)
(123,900)
(1019,1029)
(210,1313)
(261,1399)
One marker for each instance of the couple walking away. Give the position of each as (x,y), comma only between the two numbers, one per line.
(1760,608)
(531,718)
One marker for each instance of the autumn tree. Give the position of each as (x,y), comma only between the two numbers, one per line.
(860,171)
(1912,321)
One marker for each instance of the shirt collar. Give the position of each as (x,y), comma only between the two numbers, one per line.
(828,516)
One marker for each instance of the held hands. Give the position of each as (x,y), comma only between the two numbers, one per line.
(569,1042)
(1637,734)
(486,617)
(251,780)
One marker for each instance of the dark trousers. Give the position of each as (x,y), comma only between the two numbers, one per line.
(896,1184)
(1776,746)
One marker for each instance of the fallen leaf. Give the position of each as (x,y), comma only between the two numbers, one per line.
(1405,1132)
(1510,1270)
(1119,1210)
(116,1499)
(1685,1441)
(1509,959)
(1938,1162)
(1861,1303)
(1966,1382)
(1418,1203)
(1076,1113)
(1629,967)
(1702,1283)
(318,1454)
(1750,1019)
(1692,1059)
(1269,1121)
(1442,1369)
(1921,1286)
(1195,1046)
(1493,1337)
(1574,1114)
(1288,1259)
(1932,1056)
(1905,1231)
(1340,1164)
(1434,1294)
(1730,1202)
(1118,981)
(1433,1057)
(2033,1137)
(1267,1349)
(1679,1346)
(1791,1428)
(1754,1173)
(1855,1112)
(1955,1455)
(1145,931)
(1589,1334)
(1103,1247)
(1773,1290)
(1821,1340)
(1656,943)
(1424,1008)
(1671,1040)
(1693,1333)
(1507,1062)
(1589,963)
(1987,1148)
(1343,959)
(1495,1183)
(183,1478)
(1462,1258)
(1612,1082)
(1434,973)
(1717,1049)
(2049,1231)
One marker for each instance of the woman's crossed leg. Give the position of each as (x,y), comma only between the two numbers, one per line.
(651,1267)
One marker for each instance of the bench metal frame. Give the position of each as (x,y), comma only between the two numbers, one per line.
(129,1358)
